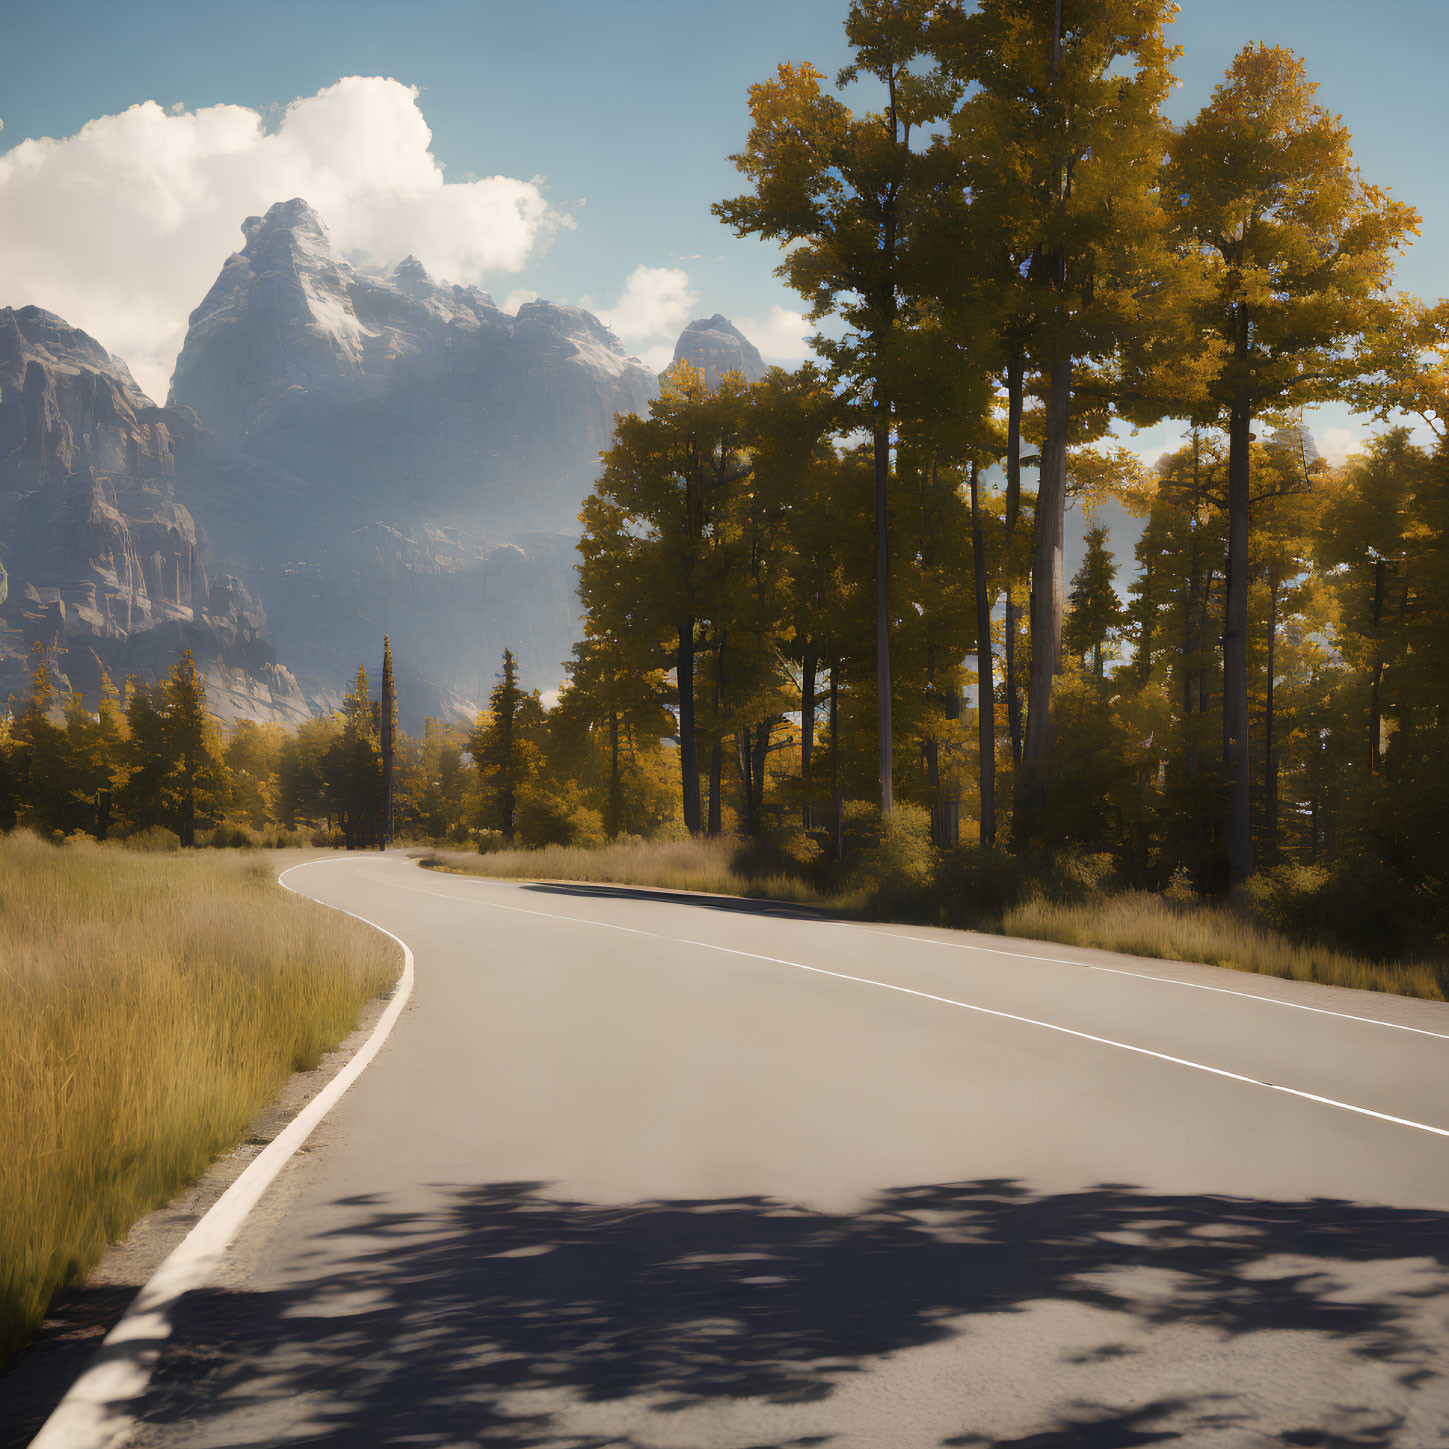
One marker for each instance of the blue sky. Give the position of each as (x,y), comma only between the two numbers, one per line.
(629,109)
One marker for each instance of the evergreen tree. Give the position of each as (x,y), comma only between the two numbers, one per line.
(1096,613)
(504,746)
(387,716)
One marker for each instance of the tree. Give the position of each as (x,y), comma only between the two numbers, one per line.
(387,730)
(651,551)
(837,190)
(1060,138)
(504,745)
(1299,252)
(188,729)
(1097,613)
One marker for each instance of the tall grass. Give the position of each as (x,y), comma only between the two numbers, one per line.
(1137,923)
(1142,924)
(150,1005)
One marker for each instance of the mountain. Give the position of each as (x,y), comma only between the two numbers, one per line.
(397,396)
(387,452)
(100,557)
(346,451)
(716,346)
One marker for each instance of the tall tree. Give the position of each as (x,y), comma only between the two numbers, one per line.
(1097,612)
(504,745)
(1299,250)
(1061,137)
(387,731)
(650,551)
(837,190)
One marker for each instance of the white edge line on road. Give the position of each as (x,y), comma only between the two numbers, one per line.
(967,1006)
(1080,965)
(94,1412)
(1148,976)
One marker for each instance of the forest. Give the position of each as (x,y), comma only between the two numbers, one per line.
(827,614)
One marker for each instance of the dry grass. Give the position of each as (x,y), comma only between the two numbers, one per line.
(681,865)
(1141,924)
(1136,923)
(150,1005)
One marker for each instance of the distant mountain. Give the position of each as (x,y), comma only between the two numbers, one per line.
(716,346)
(346,451)
(392,453)
(100,557)
(397,397)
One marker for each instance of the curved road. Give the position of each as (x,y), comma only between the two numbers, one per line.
(644,1170)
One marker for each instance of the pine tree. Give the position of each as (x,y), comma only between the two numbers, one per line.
(1096,613)
(504,745)
(387,714)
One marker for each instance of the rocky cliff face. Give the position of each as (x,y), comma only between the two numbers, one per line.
(345,452)
(383,452)
(102,560)
(394,395)
(717,346)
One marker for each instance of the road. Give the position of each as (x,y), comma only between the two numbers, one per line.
(686,1172)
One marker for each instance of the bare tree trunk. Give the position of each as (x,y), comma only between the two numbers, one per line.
(716,771)
(985,685)
(688,759)
(882,611)
(1236,774)
(1046,592)
(807,730)
(612,824)
(837,801)
(1270,759)
(1376,677)
(1014,384)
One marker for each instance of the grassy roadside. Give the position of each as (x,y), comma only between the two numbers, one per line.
(150,1005)
(1137,923)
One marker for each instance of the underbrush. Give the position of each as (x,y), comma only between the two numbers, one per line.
(891,872)
(150,1005)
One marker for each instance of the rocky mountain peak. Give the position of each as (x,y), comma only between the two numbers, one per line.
(295,215)
(716,346)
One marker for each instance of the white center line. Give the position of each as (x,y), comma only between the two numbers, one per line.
(945,1001)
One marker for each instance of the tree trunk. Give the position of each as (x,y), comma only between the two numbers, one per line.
(882,613)
(985,686)
(1014,383)
(1376,677)
(1046,593)
(744,762)
(1270,759)
(1236,775)
(612,824)
(807,731)
(716,772)
(759,759)
(688,759)
(837,801)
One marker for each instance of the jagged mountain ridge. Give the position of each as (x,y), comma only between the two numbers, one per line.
(386,394)
(104,563)
(346,451)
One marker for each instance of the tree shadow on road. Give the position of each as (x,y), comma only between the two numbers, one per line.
(471,1324)
(734,905)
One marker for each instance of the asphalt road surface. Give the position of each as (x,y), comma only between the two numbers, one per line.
(627,1173)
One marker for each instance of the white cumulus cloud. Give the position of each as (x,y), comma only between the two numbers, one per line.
(782,336)
(655,302)
(122,228)
(1337,443)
